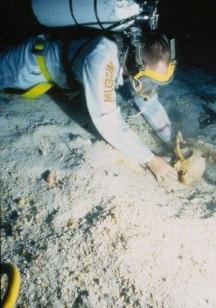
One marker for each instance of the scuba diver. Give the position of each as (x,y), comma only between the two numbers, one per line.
(101,65)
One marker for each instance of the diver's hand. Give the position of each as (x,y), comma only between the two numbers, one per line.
(161,169)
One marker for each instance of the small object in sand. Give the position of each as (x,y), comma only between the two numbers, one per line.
(190,163)
(52,179)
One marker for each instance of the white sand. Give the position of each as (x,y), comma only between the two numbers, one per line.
(88,227)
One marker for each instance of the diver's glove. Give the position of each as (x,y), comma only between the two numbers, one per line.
(161,169)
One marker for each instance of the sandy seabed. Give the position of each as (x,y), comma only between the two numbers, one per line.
(88,227)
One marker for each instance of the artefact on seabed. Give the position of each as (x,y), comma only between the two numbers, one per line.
(191,161)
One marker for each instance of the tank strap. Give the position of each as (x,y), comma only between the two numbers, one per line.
(122,45)
(73,83)
(40,88)
(96,14)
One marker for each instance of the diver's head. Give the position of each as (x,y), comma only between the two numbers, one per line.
(154,64)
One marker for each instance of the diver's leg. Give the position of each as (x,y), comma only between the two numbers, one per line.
(18,67)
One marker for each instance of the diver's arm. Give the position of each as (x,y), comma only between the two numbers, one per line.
(156,116)
(99,75)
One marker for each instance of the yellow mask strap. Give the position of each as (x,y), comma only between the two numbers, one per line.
(156,76)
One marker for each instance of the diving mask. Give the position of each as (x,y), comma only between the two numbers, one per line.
(147,81)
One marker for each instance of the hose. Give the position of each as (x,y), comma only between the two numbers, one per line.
(14,280)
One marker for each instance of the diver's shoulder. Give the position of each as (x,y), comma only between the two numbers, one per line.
(107,42)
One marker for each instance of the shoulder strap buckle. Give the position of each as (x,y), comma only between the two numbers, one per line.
(39,45)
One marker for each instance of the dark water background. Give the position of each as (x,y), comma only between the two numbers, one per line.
(193,24)
(185,16)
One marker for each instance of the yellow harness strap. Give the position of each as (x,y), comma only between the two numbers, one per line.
(40,88)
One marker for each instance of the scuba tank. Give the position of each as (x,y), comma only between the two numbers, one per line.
(98,14)
(121,20)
